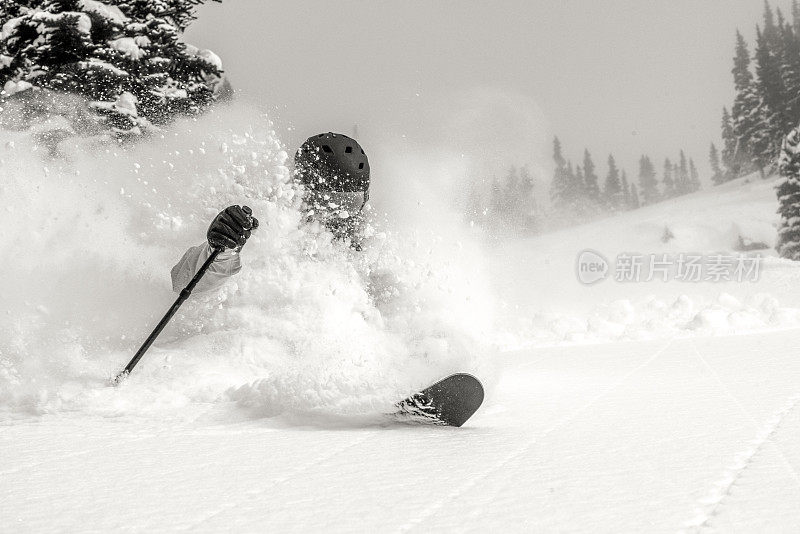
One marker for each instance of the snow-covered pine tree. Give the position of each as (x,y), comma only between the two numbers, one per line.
(676,176)
(574,189)
(796,18)
(578,182)
(788,192)
(560,185)
(770,31)
(682,180)
(729,146)
(694,177)
(668,179)
(769,123)
(123,56)
(634,198)
(747,111)
(526,207)
(648,184)
(612,192)
(788,55)
(717,176)
(590,179)
(626,193)
(568,190)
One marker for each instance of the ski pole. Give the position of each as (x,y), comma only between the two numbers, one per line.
(185,293)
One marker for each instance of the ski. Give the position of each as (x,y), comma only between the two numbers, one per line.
(449,402)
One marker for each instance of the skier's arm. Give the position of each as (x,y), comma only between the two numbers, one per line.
(229,231)
(227,264)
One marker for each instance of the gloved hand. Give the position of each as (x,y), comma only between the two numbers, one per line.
(231,228)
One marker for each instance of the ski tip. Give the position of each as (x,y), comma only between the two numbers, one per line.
(455,398)
(470,396)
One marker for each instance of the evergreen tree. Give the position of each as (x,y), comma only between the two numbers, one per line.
(507,199)
(591,180)
(769,119)
(626,193)
(694,177)
(562,185)
(568,188)
(558,155)
(526,205)
(676,175)
(682,180)
(770,27)
(668,179)
(729,146)
(747,111)
(789,197)
(682,177)
(634,198)
(612,192)
(796,18)
(717,176)
(571,175)
(126,59)
(647,181)
(789,61)
(579,182)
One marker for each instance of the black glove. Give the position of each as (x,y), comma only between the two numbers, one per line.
(231,228)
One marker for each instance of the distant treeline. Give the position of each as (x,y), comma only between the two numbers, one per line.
(577,193)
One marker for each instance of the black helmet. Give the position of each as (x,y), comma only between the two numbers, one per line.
(332,162)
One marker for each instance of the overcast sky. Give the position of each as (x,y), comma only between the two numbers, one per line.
(502,77)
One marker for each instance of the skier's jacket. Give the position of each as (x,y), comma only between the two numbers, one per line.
(227,264)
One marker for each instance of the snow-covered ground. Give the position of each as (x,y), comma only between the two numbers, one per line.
(657,436)
(639,406)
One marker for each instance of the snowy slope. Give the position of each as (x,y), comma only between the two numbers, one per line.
(658,406)
(538,282)
(654,436)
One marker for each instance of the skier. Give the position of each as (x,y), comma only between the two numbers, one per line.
(334,173)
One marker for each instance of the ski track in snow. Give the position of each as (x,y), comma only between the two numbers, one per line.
(519,453)
(57,459)
(280,480)
(710,505)
(306,491)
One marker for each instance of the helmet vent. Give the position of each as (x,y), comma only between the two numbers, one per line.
(326,148)
(348,150)
(361,165)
